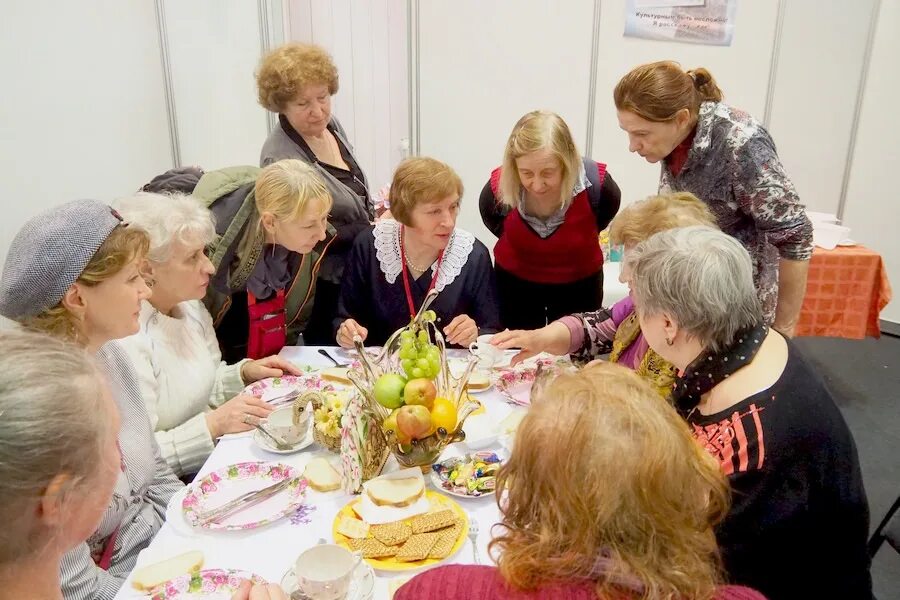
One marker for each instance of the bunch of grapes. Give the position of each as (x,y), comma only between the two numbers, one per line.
(418,356)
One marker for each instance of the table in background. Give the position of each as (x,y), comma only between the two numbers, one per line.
(846,291)
(270,551)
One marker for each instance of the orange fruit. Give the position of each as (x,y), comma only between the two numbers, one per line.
(443,414)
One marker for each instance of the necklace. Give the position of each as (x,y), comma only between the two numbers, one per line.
(411,264)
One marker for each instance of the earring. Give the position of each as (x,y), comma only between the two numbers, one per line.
(669,341)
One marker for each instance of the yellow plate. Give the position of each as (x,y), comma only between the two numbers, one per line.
(438,501)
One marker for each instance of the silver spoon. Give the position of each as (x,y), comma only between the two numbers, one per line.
(325,353)
(473,535)
(279,443)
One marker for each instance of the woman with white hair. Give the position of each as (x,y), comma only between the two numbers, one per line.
(176,354)
(799,518)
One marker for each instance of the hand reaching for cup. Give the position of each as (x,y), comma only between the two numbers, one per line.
(264,591)
(554,339)
(232,416)
(346,332)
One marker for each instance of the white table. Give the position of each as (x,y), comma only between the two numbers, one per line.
(270,551)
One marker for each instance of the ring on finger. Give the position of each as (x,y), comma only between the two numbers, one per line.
(248,419)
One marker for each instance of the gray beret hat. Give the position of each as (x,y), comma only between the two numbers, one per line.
(49,253)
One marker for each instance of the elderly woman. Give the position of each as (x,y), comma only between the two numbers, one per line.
(631,518)
(547,205)
(270,227)
(616,332)
(58,460)
(394,266)
(297,81)
(726,158)
(176,355)
(74,272)
(800,519)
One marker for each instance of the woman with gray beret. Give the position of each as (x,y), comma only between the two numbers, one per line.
(73,272)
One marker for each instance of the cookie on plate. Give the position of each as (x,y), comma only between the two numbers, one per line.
(417,547)
(372,548)
(391,534)
(433,521)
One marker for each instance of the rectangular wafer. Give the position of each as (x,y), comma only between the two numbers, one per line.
(372,548)
(433,521)
(353,528)
(417,547)
(391,534)
(446,541)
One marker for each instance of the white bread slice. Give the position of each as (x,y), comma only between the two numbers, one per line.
(151,576)
(336,374)
(478,381)
(395,492)
(321,475)
(353,528)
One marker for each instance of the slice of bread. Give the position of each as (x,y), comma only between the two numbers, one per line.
(395,492)
(151,576)
(478,381)
(336,374)
(321,475)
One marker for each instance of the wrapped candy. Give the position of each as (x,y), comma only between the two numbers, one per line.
(472,475)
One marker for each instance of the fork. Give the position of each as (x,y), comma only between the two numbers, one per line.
(288,396)
(473,535)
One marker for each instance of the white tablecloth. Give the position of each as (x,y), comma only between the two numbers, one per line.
(270,551)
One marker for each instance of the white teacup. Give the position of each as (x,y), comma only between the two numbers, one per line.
(280,422)
(324,572)
(487,354)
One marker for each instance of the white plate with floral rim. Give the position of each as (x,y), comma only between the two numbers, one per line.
(515,382)
(275,387)
(361,586)
(226,484)
(208,584)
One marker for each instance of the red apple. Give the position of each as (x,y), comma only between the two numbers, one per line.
(420,391)
(414,421)
(390,425)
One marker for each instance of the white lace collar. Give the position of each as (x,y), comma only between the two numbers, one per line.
(387,250)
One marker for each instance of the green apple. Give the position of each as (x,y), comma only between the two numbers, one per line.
(389,390)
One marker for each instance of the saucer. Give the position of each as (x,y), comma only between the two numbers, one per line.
(361,586)
(264,443)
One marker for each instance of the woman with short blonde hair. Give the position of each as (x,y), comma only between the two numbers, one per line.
(74,271)
(546,205)
(587,336)
(628,515)
(800,519)
(297,81)
(394,265)
(726,158)
(271,234)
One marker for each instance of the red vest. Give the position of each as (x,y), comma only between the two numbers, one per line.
(570,253)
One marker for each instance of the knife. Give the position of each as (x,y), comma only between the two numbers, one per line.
(244,501)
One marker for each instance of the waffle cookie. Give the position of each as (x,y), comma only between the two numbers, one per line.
(372,548)
(446,541)
(391,534)
(353,528)
(417,547)
(433,521)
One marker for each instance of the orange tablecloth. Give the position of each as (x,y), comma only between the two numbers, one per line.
(846,290)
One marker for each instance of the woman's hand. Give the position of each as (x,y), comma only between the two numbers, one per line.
(348,330)
(270,366)
(461,331)
(264,591)
(554,338)
(232,416)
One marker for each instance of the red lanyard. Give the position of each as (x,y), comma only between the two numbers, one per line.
(409,300)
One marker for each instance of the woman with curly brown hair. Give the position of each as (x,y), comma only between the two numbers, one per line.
(297,81)
(627,515)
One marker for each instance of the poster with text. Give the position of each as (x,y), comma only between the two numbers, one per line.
(691,21)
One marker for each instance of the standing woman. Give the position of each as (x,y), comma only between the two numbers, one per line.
(726,158)
(547,205)
(270,224)
(297,81)
(74,272)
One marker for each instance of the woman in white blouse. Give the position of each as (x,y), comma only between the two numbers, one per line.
(176,354)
